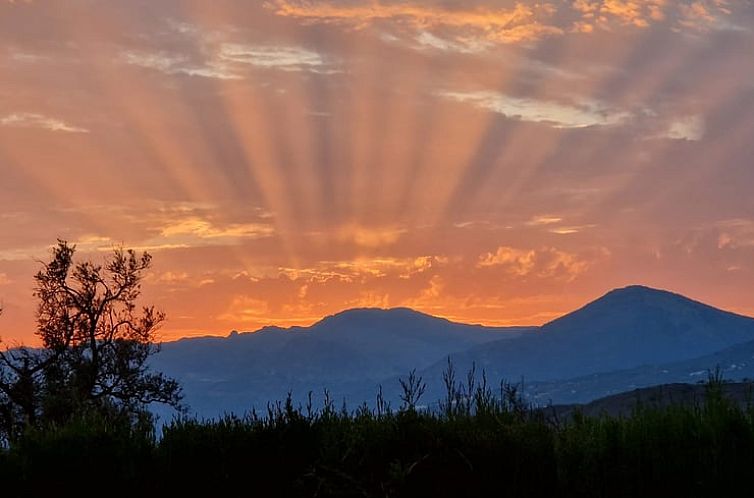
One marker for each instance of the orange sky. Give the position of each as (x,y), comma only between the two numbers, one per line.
(490,161)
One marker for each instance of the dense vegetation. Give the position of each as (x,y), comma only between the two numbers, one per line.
(480,445)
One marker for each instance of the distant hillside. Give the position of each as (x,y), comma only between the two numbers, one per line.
(624,404)
(736,363)
(352,350)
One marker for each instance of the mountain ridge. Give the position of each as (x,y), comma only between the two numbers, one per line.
(634,289)
(342,353)
(354,351)
(346,314)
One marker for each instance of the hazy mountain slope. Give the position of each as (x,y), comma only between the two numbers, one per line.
(351,350)
(736,363)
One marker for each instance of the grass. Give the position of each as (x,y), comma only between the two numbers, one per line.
(475,445)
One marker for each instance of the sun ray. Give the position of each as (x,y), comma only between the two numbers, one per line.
(287,159)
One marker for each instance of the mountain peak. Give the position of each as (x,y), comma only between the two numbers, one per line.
(641,308)
(639,296)
(635,288)
(371,317)
(641,290)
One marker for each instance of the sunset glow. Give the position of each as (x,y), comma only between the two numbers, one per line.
(487,161)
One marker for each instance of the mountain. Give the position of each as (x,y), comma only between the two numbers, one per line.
(352,350)
(630,337)
(624,329)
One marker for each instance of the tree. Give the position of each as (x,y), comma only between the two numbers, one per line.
(21,376)
(96,344)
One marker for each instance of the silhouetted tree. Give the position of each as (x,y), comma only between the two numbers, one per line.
(21,381)
(95,345)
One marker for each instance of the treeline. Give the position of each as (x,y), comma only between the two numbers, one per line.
(484,445)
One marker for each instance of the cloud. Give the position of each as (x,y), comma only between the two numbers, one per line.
(735,233)
(370,236)
(177,64)
(706,14)
(370,299)
(542,263)
(355,270)
(582,115)
(482,224)
(516,261)
(34,120)
(430,295)
(170,277)
(687,128)
(544,220)
(381,267)
(568,230)
(425,39)
(244,308)
(638,13)
(183,234)
(523,22)
(172,228)
(286,58)
(227,60)
(195,231)
(696,15)
(221,58)
(519,23)
(27,57)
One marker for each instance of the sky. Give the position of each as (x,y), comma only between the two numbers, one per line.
(488,161)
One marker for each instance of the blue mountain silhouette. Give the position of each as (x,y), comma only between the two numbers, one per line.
(353,352)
